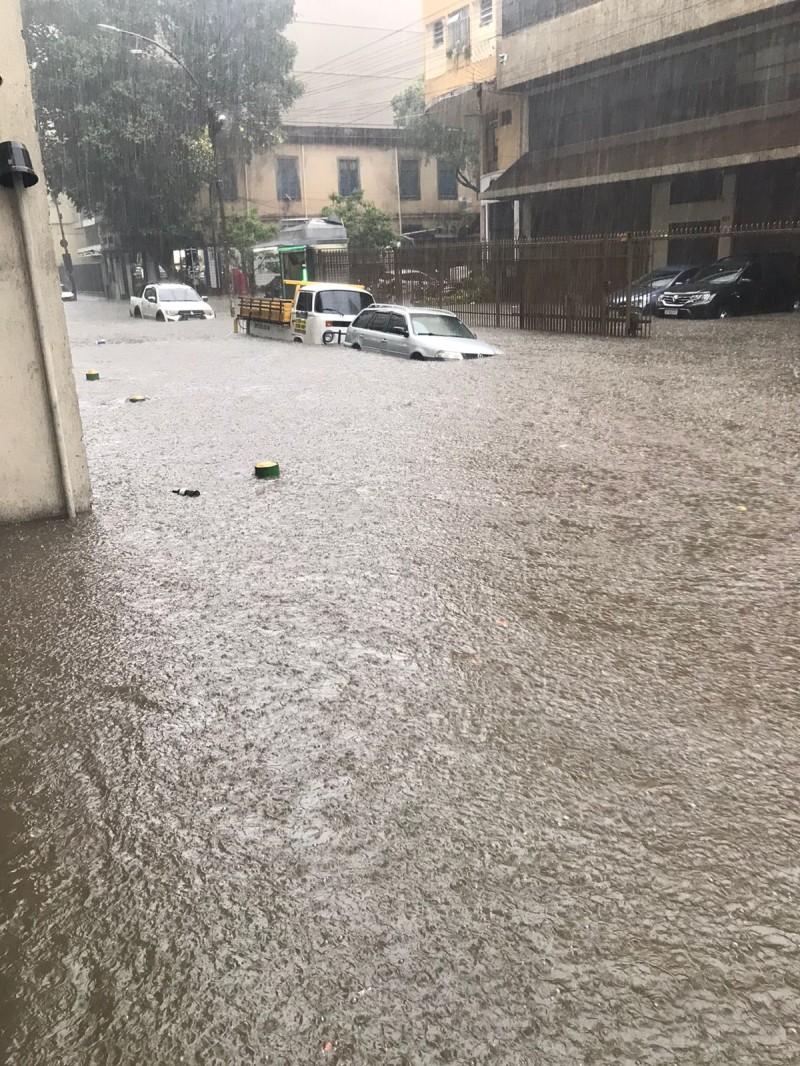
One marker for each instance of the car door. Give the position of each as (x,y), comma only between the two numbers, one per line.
(360,326)
(375,337)
(149,302)
(396,342)
(750,289)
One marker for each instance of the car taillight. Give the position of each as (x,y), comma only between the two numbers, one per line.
(328,324)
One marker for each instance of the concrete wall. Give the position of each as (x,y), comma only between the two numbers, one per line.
(30,480)
(319,177)
(606,29)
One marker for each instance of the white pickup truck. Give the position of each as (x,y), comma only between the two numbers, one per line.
(170,301)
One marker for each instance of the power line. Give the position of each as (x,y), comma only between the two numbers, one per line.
(385,37)
(336,74)
(348,26)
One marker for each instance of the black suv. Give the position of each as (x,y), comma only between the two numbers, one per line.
(736,285)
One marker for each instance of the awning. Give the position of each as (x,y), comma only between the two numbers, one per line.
(650,154)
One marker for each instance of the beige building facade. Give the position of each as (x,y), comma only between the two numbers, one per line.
(43,470)
(461,60)
(312,162)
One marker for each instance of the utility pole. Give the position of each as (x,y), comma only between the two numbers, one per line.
(65,248)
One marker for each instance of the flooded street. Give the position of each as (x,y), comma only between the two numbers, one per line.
(473,739)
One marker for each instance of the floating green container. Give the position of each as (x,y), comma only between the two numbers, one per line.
(92,375)
(136,399)
(267,470)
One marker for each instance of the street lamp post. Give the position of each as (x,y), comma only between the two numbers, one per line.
(214,122)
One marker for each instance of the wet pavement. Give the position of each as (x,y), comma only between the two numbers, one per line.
(473,739)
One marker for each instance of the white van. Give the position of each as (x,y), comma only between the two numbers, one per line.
(323,310)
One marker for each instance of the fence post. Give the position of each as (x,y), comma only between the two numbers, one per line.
(629,285)
(498,266)
(398,277)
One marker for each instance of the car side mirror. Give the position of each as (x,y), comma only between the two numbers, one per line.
(401,331)
(204,299)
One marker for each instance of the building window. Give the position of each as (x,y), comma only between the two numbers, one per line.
(458,33)
(486,12)
(288,178)
(517,14)
(447,178)
(505,118)
(438,33)
(409,179)
(349,181)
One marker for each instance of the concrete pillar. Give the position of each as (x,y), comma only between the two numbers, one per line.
(728,209)
(43,471)
(659,220)
(526,217)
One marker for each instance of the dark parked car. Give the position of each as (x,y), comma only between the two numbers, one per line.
(646,289)
(735,285)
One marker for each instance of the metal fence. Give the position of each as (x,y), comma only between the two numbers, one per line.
(556,285)
(564,285)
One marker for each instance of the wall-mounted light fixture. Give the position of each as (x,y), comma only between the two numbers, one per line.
(15,159)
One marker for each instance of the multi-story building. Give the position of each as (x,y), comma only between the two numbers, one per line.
(648,117)
(311,162)
(460,92)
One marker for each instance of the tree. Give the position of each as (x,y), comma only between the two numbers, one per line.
(243,232)
(125,131)
(457,148)
(367,226)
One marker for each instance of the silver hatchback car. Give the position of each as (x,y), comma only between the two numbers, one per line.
(415,333)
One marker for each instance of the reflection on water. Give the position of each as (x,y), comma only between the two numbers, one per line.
(474,739)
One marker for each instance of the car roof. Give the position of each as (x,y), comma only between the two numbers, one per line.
(315,286)
(410,309)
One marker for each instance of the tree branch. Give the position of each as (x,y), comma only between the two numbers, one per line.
(462,179)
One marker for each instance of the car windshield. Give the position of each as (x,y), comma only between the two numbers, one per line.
(657,278)
(170,294)
(721,273)
(342,301)
(433,325)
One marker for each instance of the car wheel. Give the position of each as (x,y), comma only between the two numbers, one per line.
(726,311)
(418,356)
(356,347)
(137,313)
(160,317)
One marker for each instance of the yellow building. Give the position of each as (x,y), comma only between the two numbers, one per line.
(461,60)
(311,162)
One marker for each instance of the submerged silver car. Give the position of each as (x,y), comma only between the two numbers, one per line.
(415,333)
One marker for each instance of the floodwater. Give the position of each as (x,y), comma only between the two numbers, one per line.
(473,739)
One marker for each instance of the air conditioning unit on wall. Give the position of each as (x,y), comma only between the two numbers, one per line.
(463,204)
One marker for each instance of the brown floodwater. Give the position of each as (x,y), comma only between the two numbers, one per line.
(473,739)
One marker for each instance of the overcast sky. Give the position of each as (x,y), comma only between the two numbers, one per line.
(353,56)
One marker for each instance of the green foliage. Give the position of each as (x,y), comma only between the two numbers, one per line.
(456,147)
(125,136)
(243,232)
(367,226)
(246,230)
